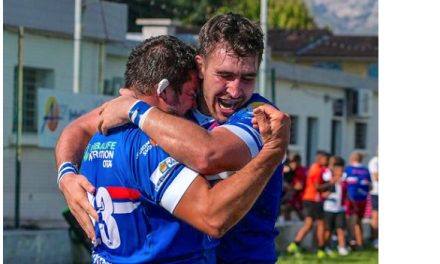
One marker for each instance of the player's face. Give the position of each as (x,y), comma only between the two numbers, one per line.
(228,82)
(186,100)
(337,172)
(323,160)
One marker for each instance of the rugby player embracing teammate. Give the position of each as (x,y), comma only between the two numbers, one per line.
(230,52)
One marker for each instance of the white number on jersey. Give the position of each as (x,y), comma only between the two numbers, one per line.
(109,228)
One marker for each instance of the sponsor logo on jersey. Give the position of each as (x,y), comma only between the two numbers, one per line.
(104,151)
(163,167)
(359,172)
(162,172)
(86,153)
(101,150)
(145,148)
(352,180)
(167,164)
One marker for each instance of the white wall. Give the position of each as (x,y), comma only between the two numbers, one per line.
(40,200)
(306,100)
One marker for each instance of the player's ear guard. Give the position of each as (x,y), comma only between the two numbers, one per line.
(163,84)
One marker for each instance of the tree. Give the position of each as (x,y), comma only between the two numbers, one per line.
(282,14)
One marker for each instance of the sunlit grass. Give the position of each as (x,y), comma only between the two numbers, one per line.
(364,257)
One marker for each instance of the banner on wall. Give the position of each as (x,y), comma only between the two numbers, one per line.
(56,109)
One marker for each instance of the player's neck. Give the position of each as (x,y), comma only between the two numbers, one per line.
(150,99)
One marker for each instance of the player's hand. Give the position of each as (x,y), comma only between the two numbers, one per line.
(274,127)
(114,113)
(74,188)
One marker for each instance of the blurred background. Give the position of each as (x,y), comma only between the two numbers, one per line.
(64,57)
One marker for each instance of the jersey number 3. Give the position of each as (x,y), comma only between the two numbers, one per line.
(107,224)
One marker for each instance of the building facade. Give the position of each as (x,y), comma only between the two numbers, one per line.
(48,63)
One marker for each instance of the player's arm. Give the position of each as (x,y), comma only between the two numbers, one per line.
(215,210)
(372,167)
(69,149)
(207,152)
(325,187)
(375,176)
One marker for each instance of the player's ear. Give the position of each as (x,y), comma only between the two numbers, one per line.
(165,95)
(200,61)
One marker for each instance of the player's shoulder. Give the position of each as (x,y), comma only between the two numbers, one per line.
(198,117)
(246,111)
(257,100)
(348,168)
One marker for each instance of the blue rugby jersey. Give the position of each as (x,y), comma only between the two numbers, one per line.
(358,182)
(253,238)
(138,186)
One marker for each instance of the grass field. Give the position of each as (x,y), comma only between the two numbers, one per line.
(364,257)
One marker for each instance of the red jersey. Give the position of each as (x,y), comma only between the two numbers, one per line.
(300,177)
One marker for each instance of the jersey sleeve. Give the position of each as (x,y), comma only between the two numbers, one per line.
(240,124)
(162,179)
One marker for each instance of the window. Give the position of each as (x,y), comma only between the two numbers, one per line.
(33,78)
(336,137)
(312,139)
(112,86)
(360,136)
(293,130)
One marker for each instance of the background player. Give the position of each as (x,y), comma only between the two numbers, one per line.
(358,185)
(334,210)
(313,211)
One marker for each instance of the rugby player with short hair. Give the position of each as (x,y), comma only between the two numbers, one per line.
(230,53)
(357,178)
(136,180)
(334,210)
(313,202)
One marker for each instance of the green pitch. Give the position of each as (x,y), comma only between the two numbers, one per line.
(365,257)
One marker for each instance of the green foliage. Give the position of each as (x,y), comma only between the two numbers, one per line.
(282,14)
(289,14)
